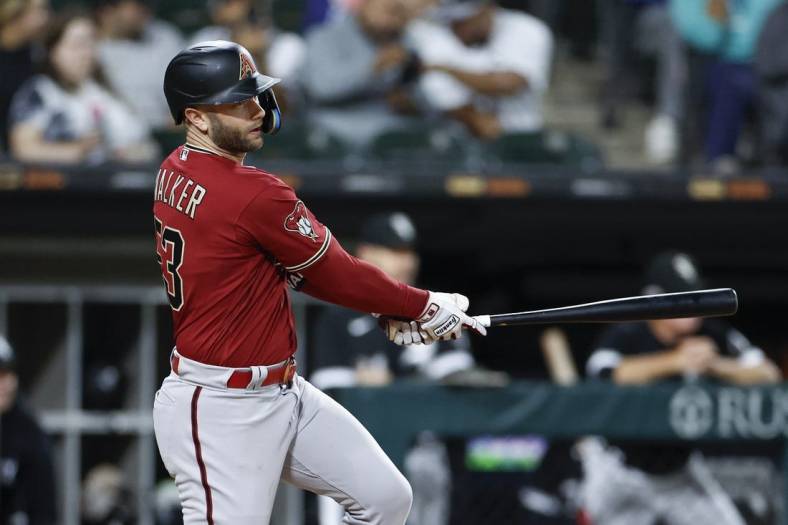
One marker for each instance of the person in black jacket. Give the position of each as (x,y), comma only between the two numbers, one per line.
(666,482)
(350,349)
(27,479)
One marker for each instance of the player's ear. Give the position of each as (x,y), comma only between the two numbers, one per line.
(196,118)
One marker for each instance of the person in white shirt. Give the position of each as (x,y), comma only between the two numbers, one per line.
(66,116)
(134,51)
(484,66)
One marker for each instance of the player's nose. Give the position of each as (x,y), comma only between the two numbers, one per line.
(255,108)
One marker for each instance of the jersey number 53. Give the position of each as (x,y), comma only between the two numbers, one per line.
(169,255)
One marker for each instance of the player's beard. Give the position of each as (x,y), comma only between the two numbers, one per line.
(231,139)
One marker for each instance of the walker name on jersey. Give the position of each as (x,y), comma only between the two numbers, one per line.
(179,192)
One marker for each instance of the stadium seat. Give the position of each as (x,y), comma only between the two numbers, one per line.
(545,147)
(297,141)
(418,143)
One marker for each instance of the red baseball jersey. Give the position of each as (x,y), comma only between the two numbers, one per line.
(230,239)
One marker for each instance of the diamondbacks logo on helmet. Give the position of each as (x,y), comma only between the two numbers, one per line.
(247,66)
(299,222)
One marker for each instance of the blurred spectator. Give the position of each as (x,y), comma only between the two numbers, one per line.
(477,70)
(134,51)
(65,115)
(357,71)
(106,497)
(21,23)
(27,479)
(729,32)
(279,54)
(659,482)
(644,28)
(771,65)
(317,12)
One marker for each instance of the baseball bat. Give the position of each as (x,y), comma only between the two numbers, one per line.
(702,303)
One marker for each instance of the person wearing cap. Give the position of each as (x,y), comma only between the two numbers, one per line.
(648,482)
(483,66)
(642,353)
(349,349)
(27,478)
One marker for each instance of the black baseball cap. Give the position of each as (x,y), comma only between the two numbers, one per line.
(671,272)
(7,358)
(392,230)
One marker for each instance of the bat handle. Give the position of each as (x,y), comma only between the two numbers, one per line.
(483,320)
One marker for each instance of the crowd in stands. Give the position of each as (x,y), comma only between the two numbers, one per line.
(82,82)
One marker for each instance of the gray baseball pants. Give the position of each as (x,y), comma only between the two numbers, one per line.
(228,449)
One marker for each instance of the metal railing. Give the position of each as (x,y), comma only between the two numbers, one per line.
(72,422)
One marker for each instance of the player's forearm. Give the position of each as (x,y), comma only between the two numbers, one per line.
(639,370)
(732,371)
(492,84)
(340,278)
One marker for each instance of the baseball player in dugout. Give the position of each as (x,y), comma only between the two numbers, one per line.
(666,482)
(234,417)
(349,349)
(27,477)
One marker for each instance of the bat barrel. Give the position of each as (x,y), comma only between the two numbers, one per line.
(701,303)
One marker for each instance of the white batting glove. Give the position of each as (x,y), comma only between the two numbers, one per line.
(405,332)
(445,316)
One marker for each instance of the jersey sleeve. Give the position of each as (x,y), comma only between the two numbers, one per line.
(522,33)
(285,228)
(342,279)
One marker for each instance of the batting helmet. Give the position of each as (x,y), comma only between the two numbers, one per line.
(219,72)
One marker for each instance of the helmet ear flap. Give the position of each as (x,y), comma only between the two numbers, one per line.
(272,120)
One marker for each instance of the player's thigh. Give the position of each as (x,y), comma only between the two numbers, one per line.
(334,455)
(225,451)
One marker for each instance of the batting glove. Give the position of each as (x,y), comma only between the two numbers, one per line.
(445,316)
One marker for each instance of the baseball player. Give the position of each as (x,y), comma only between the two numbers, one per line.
(664,482)
(234,417)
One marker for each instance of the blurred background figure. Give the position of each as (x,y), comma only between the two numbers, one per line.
(106,499)
(280,54)
(349,349)
(727,32)
(634,30)
(21,24)
(65,115)
(645,482)
(476,70)
(27,478)
(358,72)
(771,66)
(134,50)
